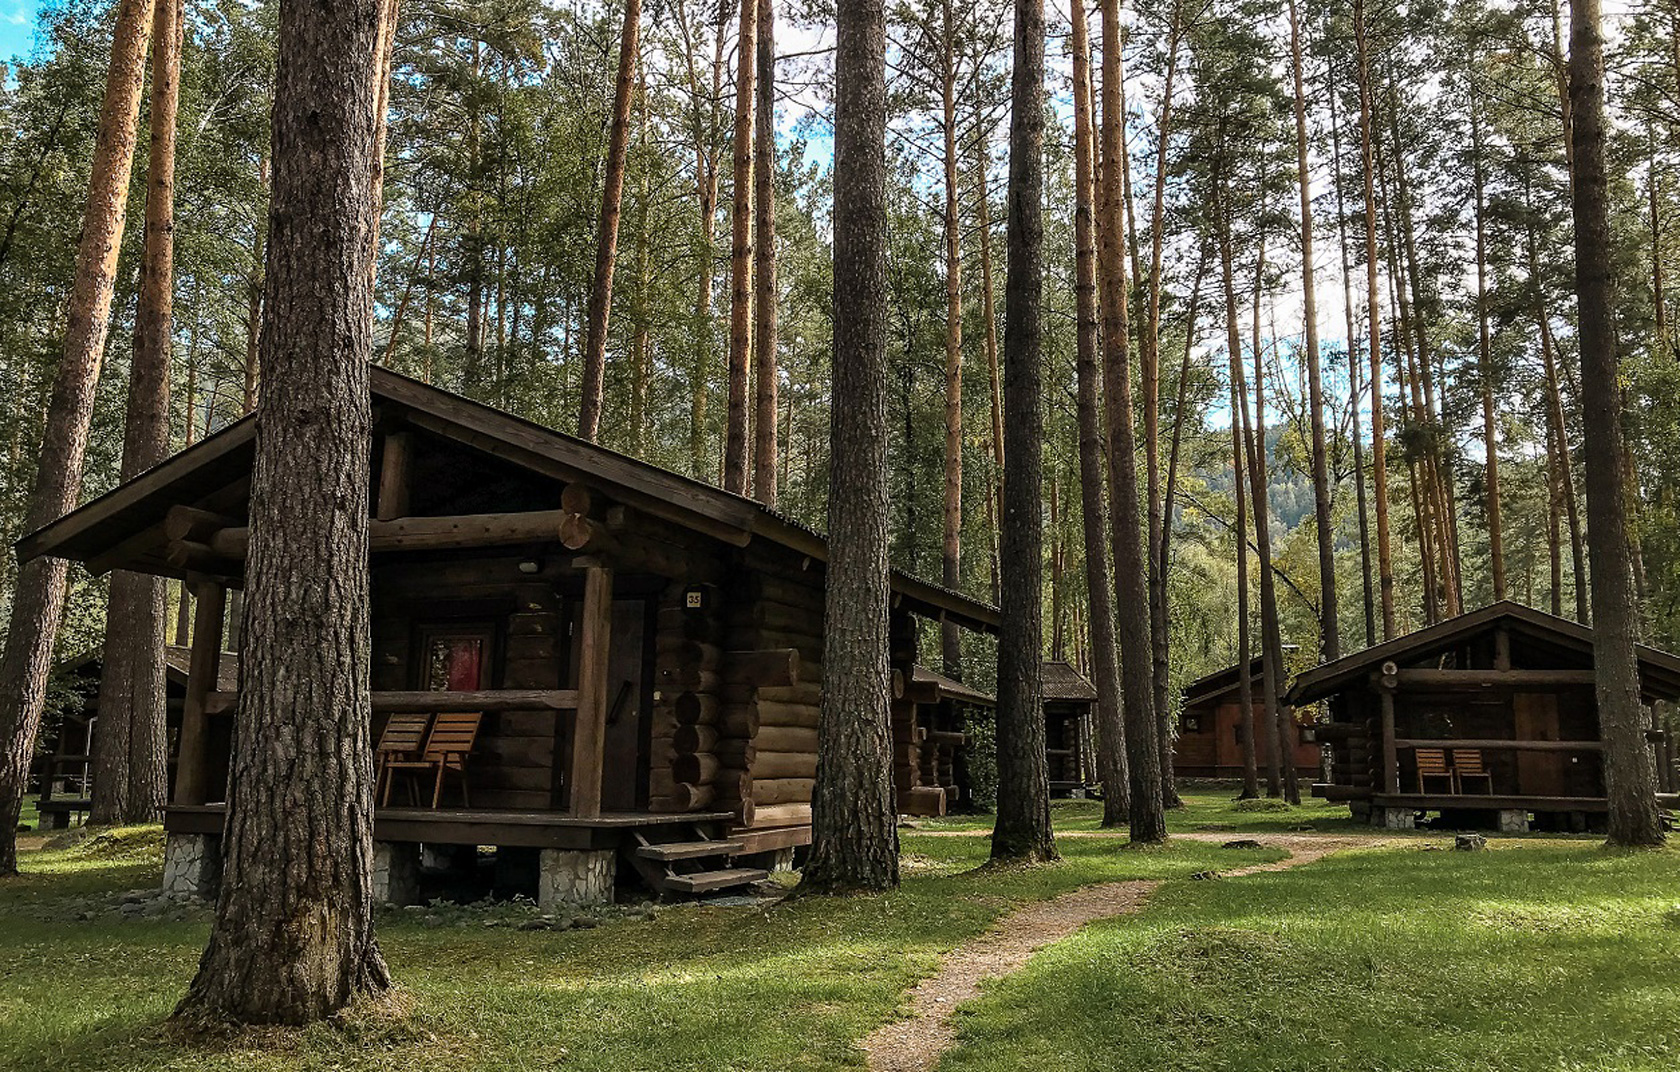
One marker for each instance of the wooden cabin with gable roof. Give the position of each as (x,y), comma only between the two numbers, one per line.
(1486,719)
(642,651)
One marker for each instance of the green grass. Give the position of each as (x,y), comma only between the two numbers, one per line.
(1534,956)
(1207,810)
(789,987)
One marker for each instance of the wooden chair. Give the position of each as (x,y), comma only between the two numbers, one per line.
(1432,763)
(1467,765)
(399,742)
(447,748)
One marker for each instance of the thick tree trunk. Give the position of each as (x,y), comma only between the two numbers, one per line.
(1330,642)
(950,638)
(1022,831)
(292,940)
(1628,771)
(735,462)
(764,263)
(1143,737)
(854,812)
(606,233)
(1379,451)
(38,594)
(131,748)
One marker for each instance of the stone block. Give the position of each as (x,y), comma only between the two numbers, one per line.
(569,877)
(1394,818)
(396,872)
(192,865)
(1513,821)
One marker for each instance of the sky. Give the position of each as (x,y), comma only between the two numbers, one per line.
(17,27)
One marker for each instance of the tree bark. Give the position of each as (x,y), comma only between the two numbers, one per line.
(38,594)
(735,463)
(606,234)
(131,747)
(1143,738)
(1023,831)
(950,637)
(1105,658)
(706,124)
(1379,452)
(988,313)
(292,940)
(764,263)
(1330,643)
(1630,781)
(1484,360)
(854,813)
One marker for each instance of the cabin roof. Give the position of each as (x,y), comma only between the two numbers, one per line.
(1063,684)
(177,664)
(1659,671)
(1214,687)
(113,529)
(950,688)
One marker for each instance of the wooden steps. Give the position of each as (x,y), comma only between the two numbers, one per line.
(689,850)
(712,881)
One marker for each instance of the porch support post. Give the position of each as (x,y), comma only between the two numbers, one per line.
(589,730)
(1391,753)
(393,478)
(192,777)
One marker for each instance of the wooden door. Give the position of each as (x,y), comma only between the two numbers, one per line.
(624,771)
(1539,774)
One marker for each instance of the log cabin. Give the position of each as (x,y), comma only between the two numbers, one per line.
(1210,743)
(644,650)
(1070,702)
(1486,719)
(931,742)
(63,769)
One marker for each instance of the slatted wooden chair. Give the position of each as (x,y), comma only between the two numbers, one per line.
(1468,766)
(1432,763)
(448,747)
(399,742)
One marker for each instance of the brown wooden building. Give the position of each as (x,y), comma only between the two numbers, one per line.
(1070,703)
(63,769)
(1209,741)
(644,649)
(930,742)
(1489,718)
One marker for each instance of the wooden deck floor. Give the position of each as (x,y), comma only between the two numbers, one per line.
(458,826)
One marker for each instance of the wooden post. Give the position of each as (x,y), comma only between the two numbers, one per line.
(1502,648)
(192,775)
(589,730)
(1391,754)
(393,478)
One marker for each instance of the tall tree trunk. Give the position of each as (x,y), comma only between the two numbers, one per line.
(1627,764)
(1379,452)
(1484,359)
(741,255)
(854,812)
(988,313)
(1143,737)
(1560,434)
(1022,831)
(706,195)
(131,748)
(606,233)
(764,263)
(1245,658)
(1105,660)
(473,372)
(1149,364)
(1330,643)
(38,595)
(292,940)
(951,548)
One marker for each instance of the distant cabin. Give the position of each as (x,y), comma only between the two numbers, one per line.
(1487,719)
(931,743)
(628,661)
(1070,704)
(1210,743)
(63,770)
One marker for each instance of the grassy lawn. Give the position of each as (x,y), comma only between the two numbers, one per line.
(1205,810)
(789,987)
(1536,955)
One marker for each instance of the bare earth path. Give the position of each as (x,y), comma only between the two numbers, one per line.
(915,1044)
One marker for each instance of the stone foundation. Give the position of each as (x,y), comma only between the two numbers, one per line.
(577,878)
(396,872)
(1513,822)
(192,865)
(448,857)
(54,820)
(1394,818)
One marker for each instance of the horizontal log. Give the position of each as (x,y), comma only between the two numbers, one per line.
(430,533)
(740,720)
(764,667)
(808,693)
(947,737)
(779,815)
(689,797)
(767,791)
(787,739)
(221,703)
(696,709)
(736,753)
(696,767)
(1432,678)
(785,765)
(694,739)
(683,651)
(683,678)
(577,498)
(922,800)
(191,523)
(1494,744)
(788,714)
